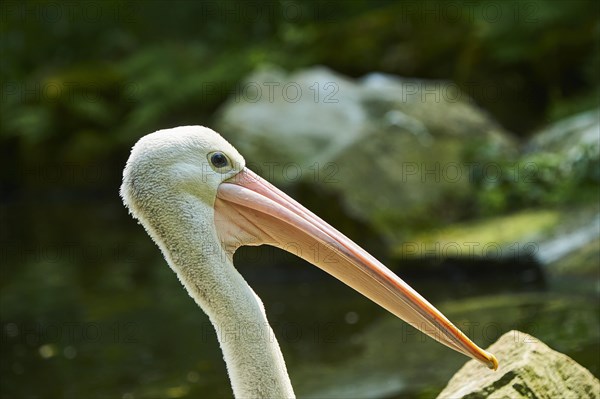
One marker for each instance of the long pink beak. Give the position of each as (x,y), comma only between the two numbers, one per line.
(251,211)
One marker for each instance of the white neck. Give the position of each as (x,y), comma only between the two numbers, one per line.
(254,360)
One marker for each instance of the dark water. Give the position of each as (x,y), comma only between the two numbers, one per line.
(90,309)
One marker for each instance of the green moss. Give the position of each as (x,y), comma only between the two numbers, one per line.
(471,238)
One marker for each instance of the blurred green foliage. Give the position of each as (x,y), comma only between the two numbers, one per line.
(538,179)
(79,76)
(82,81)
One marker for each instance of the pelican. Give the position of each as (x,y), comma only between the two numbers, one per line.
(193,194)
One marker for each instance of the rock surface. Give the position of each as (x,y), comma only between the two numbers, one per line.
(570,137)
(528,369)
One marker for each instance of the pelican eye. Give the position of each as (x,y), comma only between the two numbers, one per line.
(219,161)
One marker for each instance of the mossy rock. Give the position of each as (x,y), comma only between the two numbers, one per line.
(529,369)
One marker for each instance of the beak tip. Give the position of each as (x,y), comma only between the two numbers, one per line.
(492,362)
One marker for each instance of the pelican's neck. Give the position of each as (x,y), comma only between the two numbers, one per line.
(254,360)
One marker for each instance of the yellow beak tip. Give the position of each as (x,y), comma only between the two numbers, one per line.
(492,362)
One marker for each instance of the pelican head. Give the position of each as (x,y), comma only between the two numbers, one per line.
(184,161)
(195,197)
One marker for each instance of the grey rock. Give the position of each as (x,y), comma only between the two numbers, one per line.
(528,369)
(564,243)
(570,148)
(570,136)
(303,118)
